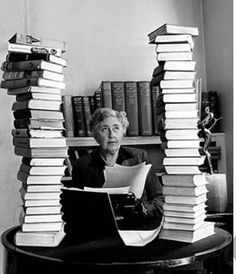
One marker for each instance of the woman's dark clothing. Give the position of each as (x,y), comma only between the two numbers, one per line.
(88,171)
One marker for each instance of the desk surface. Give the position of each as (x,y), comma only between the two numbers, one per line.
(110,253)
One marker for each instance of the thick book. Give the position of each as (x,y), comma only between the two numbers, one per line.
(41,239)
(27,179)
(177,83)
(184,208)
(87,115)
(46,74)
(181,106)
(183,143)
(173,47)
(182,220)
(37,104)
(155,91)
(179,65)
(173,29)
(118,95)
(185,199)
(20,48)
(183,123)
(105,87)
(43,161)
(177,114)
(182,152)
(27,39)
(180,98)
(68,115)
(43,170)
(41,152)
(181,134)
(174,56)
(39,195)
(40,142)
(97,99)
(33,89)
(178,90)
(202,232)
(184,191)
(185,214)
(190,180)
(37,227)
(131,107)
(31,65)
(182,169)
(36,203)
(78,112)
(33,81)
(50,124)
(173,39)
(40,210)
(184,161)
(43,188)
(179,75)
(181,226)
(46,218)
(144,108)
(38,96)
(36,133)
(16,57)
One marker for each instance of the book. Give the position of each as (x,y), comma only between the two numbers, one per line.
(36,133)
(92,104)
(177,83)
(87,115)
(179,75)
(38,114)
(39,195)
(118,95)
(182,152)
(181,134)
(144,108)
(19,48)
(181,114)
(27,39)
(43,170)
(174,56)
(179,65)
(202,232)
(181,226)
(183,143)
(43,188)
(47,218)
(37,227)
(32,89)
(155,91)
(78,112)
(97,99)
(42,239)
(109,190)
(180,98)
(38,96)
(181,106)
(27,179)
(173,47)
(173,39)
(185,214)
(41,152)
(173,29)
(43,161)
(36,203)
(106,94)
(182,169)
(184,180)
(68,115)
(192,200)
(16,57)
(188,161)
(170,219)
(31,65)
(49,124)
(46,74)
(177,90)
(36,81)
(183,123)
(131,107)
(184,208)
(34,210)
(39,142)
(184,191)
(37,104)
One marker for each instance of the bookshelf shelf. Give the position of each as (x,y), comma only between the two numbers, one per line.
(90,142)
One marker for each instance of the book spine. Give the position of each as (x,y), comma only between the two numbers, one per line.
(97,99)
(144,103)
(87,115)
(20,83)
(92,104)
(68,115)
(155,91)
(79,125)
(118,95)
(106,94)
(131,107)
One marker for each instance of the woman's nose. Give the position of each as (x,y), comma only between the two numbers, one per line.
(110,132)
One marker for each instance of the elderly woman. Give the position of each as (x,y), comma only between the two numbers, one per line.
(108,128)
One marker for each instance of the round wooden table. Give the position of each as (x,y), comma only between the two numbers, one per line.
(110,256)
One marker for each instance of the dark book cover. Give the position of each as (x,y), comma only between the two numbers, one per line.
(145,108)
(79,124)
(92,104)
(97,99)
(106,94)
(155,91)
(131,107)
(118,95)
(87,115)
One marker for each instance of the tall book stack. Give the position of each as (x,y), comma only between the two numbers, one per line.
(33,73)
(177,117)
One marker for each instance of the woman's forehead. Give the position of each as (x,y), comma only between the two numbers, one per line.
(111,120)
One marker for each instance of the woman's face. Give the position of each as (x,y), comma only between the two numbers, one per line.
(109,134)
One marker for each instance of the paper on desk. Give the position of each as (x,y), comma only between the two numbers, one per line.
(133,176)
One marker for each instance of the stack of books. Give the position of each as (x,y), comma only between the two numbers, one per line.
(178,116)
(33,73)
